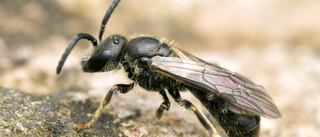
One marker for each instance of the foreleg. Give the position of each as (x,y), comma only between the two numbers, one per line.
(122,88)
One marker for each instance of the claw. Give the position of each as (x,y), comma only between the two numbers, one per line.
(79,127)
(163,106)
(159,113)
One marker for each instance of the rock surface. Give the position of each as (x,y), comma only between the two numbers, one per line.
(25,114)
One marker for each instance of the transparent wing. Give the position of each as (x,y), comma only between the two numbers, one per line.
(241,94)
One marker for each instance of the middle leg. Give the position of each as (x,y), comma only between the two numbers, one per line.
(189,106)
(164,106)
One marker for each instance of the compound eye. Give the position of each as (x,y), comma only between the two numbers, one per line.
(106,54)
(98,61)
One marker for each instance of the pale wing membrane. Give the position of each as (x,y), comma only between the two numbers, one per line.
(242,95)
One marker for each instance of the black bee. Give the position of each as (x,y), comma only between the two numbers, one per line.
(157,65)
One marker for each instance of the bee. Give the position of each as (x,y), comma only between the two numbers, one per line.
(157,65)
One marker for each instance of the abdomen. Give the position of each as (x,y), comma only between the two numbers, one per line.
(235,125)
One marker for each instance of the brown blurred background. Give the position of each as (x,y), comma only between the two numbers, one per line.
(274,43)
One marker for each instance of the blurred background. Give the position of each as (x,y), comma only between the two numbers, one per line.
(274,43)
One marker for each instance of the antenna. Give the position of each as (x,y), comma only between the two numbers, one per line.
(73,42)
(106,17)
